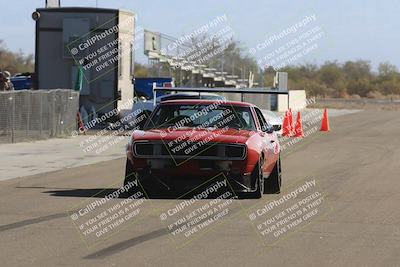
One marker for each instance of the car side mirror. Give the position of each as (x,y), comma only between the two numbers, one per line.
(277,127)
(267,128)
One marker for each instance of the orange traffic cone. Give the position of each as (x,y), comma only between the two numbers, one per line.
(81,126)
(291,121)
(325,122)
(299,127)
(286,125)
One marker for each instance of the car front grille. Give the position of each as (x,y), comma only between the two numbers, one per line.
(182,150)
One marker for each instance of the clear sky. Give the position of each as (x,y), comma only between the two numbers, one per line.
(358,29)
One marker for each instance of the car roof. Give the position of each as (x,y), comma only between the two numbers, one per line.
(205,101)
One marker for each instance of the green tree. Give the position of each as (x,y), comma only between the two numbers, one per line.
(141,71)
(331,74)
(387,70)
(360,87)
(15,62)
(356,70)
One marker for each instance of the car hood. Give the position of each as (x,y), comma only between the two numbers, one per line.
(194,134)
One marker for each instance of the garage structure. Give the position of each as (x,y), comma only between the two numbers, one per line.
(95,42)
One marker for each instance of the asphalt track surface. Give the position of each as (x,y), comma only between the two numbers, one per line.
(356,165)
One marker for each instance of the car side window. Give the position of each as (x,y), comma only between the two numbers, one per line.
(261,118)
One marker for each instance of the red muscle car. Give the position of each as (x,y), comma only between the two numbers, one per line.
(194,140)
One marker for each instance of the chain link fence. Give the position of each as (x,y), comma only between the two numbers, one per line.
(30,115)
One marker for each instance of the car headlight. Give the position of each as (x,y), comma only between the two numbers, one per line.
(235,151)
(129,145)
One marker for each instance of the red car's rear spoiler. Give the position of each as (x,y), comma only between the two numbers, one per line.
(270,91)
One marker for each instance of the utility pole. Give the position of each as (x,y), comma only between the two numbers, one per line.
(262,77)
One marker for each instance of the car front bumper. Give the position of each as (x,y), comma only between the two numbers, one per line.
(195,172)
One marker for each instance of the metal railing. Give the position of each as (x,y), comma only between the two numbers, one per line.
(37,114)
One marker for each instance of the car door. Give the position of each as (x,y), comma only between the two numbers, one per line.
(269,141)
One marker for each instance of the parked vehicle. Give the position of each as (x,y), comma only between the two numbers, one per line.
(143,87)
(22,81)
(274,119)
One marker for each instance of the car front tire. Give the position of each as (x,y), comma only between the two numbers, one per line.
(259,180)
(130,174)
(274,182)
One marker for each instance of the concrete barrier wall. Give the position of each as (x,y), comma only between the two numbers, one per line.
(297,99)
(232,96)
(260,100)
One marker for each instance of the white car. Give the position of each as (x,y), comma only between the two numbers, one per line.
(274,119)
(147,106)
(144,106)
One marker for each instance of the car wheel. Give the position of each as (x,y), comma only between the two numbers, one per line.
(130,174)
(259,180)
(151,190)
(274,182)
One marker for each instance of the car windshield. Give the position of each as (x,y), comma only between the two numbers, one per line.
(201,116)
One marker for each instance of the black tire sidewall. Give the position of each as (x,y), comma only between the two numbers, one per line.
(273,183)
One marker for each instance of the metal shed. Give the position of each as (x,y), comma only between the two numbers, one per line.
(96,42)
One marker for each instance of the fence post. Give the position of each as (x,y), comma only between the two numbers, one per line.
(41,115)
(12,117)
(28,116)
